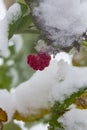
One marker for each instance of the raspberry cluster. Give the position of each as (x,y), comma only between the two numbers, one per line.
(38,61)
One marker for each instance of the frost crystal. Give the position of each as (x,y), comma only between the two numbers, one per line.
(62,21)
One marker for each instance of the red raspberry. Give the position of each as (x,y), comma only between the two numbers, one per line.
(39,61)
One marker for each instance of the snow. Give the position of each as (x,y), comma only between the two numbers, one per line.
(12,15)
(60,79)
(64,56)
(1,61)
(75,119)
(39,126)
(2,9)
(32,95)
(14,74)
(56,82)
(14,12)
(4,35)
(7,103)
(70,79)
(21,124)
(63,21)
(17,41)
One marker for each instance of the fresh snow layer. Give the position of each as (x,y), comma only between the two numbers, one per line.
(7,103)
(12,15)
(2,9)
(32,95)
(17,41)
(55,83)
(70,79)
(63,21)
(74,119)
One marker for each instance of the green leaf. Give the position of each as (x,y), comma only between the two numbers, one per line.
(11,126)
(21,1)
(20,25)
(23,24)
(60,108)
(5,77)
(24,8)
(84,43)
(20,59)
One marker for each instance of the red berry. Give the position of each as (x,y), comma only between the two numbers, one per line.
(39,61)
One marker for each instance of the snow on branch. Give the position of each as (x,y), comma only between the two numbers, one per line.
(12,15)
(63,22)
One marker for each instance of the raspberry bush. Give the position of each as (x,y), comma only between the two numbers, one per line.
(57,93)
